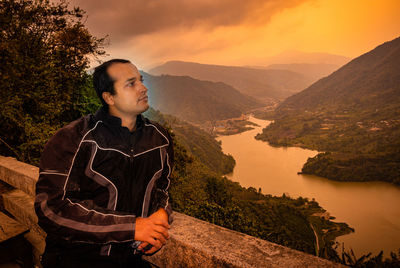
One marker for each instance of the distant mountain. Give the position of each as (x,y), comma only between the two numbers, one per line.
(197,101)
(262,84)
(314,71)
(353,114)
(295,56)
(367,82)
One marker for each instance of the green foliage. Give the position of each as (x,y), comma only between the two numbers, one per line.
(217,192)
(347,257)
(345,167)
(353,152)
(86,100)
(44,49)
(198,143)
(264,115)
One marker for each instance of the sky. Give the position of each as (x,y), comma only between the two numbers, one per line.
(238,32)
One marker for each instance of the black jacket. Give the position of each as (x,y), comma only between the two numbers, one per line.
(96,177)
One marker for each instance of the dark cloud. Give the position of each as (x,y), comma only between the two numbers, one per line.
(124,19)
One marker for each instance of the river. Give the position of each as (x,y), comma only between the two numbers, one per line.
(371,208)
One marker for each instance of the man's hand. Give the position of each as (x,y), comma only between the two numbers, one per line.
(152,230)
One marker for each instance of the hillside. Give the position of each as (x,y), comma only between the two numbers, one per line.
(371,79)
(261,84)
(196,101)
(199,143)
(353,115)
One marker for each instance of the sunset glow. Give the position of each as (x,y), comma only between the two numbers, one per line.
(240,34)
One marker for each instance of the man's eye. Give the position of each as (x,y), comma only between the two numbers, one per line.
(131,84)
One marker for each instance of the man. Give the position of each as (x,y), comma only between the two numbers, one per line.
(102,193)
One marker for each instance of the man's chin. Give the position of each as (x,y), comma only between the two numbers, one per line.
(145,108)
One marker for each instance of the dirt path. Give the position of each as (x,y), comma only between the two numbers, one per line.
(316,240)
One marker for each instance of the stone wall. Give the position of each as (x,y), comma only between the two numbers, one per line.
(193,243)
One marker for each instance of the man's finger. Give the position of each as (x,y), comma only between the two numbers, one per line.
(162,231)
(156,243)
(152,250)
(142,245)
(162,223)
(160,237)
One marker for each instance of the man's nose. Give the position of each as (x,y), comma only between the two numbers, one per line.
(143,88)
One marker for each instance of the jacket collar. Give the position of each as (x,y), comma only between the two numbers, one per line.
(113,121)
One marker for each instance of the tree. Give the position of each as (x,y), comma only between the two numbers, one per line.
(217,192)
(44,52)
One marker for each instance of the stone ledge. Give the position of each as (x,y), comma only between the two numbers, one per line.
(198,243)
(18,174)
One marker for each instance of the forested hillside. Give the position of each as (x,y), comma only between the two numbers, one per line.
(199,143)
(353,115)
(196,101)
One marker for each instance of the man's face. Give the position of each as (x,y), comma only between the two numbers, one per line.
(130,96)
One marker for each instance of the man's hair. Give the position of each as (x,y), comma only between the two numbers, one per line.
(102,81)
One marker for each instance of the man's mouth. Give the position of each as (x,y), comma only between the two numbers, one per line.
(144,98)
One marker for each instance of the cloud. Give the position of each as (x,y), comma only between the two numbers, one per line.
(126,19)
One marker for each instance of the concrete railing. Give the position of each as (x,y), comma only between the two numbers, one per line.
(193,243)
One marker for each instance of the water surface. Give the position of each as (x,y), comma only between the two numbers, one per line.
(371,208)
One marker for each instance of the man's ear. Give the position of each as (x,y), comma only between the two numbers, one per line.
(108,98)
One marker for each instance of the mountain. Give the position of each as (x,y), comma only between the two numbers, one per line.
(353,115)
(295,56)
(196,101)
(367,82)
(313,71)
(261,84)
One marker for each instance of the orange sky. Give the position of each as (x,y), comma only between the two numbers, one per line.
(239,32)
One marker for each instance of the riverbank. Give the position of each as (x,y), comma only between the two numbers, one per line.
(354,167)
(233,126)
(371,208)
(356,148)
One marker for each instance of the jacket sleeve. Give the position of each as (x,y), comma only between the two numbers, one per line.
(75,220)
(163,183)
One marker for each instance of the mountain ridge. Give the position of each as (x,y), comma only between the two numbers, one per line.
(313,70)
(296,56)
(258,83)
(369,64)
(353,115)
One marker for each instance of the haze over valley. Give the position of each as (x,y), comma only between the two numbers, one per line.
(260,83)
